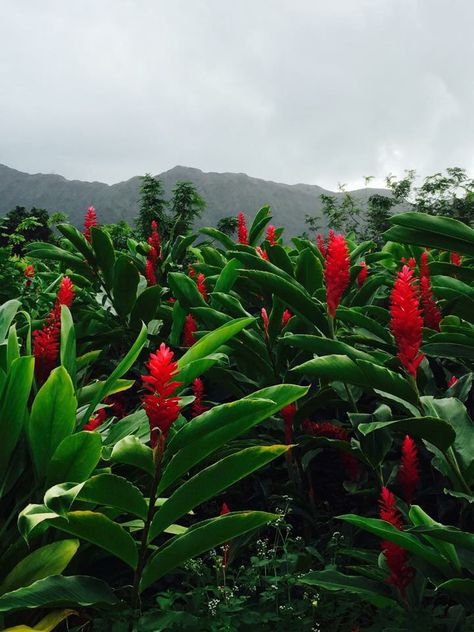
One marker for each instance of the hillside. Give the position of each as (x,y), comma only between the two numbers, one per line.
(225,193)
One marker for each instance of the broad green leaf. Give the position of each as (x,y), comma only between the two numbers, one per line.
(199,539)
(258,225)
(354,317)
(210,481)
(309,271)
(13,407)
(51,559)
(146,305)
(333,368)
(384,380)
(47,623)
(68,343)
(420,518)
(51,252)
(325,346)
(431,429)
(185,290)
(225,240)
(87,394)
(103,489)
(126,279)
(75,458)
(227,277)
(365,589)
(7,313)
(131,451)
(78,240)
(52,419)
(104,253)
(191,371)
(56,591)
(460,586)
(13,347)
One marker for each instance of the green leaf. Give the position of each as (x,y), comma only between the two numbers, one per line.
(365,589)
(103,489)
(210,481)
(447,534)
(52,419)
(459,586)
(122,367)
(13,347)
(7,313)
(104,253)
(354,317)
(126,279)
(146,305)
(227,277)
(68,343)
(54,253)
(325,346)
(333,368)
(213,340)
(199,539)
(56,591)
(75,458)
(78,240)
(431,429)
(13,407)
(309,271)
(131,451)
(218,235)
(383,380)
(406,540)
(419,518)
(88,393)
(185,290)
(258,225)
(51,559)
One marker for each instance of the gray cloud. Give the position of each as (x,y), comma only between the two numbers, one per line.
(289,90)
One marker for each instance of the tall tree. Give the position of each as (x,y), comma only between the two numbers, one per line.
(153,207)
(186,206)
(21,226)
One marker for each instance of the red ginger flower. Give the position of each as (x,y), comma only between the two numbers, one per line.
(154,239)
(411,262)
(336,271)
(452,381)
(150,271)
(271,235)
(285,319)
(201,286)
(409,472)
(242,232)
(396,557)
(97,420)
(455,258)
(46,341)
(192,272)
(331,431)
(431,313)
(189,330)
(161,406)
(362,276)
(261,253)
(198,391)
(321,244)
(406,322)
(265,320)
(288,414)
(90,221)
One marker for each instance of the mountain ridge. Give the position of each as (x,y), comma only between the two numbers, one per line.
(226,193)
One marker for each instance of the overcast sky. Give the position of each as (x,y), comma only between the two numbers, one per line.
(316,91)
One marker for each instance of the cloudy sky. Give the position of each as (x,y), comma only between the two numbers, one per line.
(312,91)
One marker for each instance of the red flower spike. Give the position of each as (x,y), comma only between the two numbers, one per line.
(321,244)
(431,313)
(242,231)
(189,330)
(96,421)
(396,557)
(336,271)
(362,276)
(424,267)
(265,320)
(192,272)
(409,472)
(406,321)
(271,235)
(198,391)
(201,286)
(161,406)
(288,414)
(411,262)
(90,221)
(261,253)
(29,271)
(46,341)
(154,240)
(150,270)
(452,381)
(285,319)
(455,258)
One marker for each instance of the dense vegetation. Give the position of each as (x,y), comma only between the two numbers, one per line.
(201,432)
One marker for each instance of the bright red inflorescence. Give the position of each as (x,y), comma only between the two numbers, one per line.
(161,406)
(198,391)
(242,232)
(153,255)
(455,258)
(285,319)
(452,381)
(331,431)
(396,557)
(225,549)
(46,340)
(411,262)
(201,286)
(362,276)
(265,320)
(150,273)
(189,330)
(406,321)
(336,271)
(288,414)
(321,244)
(262,253)
(431,312)
(97,420)
(90,221)
(409,472)
(29,273)
(271,235)
(154,240)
